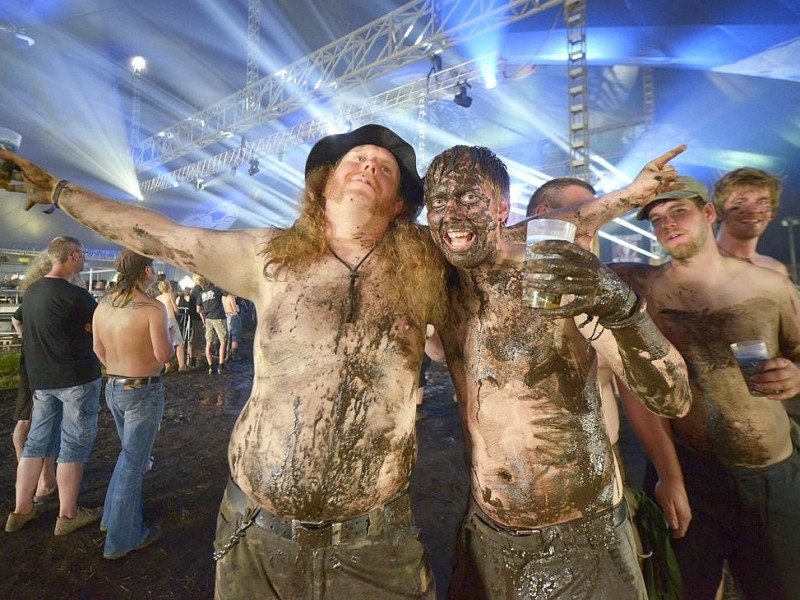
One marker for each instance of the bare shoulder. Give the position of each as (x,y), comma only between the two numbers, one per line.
(768,262)
(772,277)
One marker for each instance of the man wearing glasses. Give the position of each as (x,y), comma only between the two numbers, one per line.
(65,375)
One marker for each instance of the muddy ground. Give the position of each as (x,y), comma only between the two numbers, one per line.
(183,492)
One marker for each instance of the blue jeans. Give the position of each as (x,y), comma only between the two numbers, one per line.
(235,328)
(72,413)
(137,411)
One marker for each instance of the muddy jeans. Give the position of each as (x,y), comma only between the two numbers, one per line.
(589,558)
(389,563)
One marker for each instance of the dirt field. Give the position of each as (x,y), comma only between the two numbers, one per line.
(183,491)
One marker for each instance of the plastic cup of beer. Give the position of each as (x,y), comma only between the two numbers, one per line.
(540,230)
(749,355)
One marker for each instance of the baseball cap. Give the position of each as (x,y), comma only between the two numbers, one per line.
(328,151)
(692,189)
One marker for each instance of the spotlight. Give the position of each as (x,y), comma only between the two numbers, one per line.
(461,98)
(254,167)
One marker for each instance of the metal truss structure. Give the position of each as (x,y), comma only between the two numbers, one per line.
(434,88)
(578,89)
(399,38)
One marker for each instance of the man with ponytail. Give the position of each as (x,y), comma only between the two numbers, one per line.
(132,340)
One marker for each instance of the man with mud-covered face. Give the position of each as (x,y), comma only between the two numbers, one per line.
(546,517)
(322,452)
(731,457)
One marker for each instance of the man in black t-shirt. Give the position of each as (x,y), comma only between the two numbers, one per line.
(65,374)
(211,309)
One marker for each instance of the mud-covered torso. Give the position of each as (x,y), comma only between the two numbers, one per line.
(328,432)
(529,405)
(725,420)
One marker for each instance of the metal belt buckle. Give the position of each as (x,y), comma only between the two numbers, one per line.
(131,386)
(316,535)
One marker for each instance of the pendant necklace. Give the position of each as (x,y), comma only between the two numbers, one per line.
(749,259)
(351,294)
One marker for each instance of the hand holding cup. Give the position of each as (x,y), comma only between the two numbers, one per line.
(750,356)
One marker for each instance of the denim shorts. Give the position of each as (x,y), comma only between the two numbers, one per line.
(71,410)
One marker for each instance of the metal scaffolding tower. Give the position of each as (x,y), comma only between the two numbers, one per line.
(649,95)
(253,51)
(136,110)
(399,38)
(575,20)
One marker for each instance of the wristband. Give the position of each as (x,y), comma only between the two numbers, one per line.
(59,188)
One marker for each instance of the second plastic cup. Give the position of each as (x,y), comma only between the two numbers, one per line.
(749,354)
(538,231)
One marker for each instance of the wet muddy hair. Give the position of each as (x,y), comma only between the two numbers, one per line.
(469,158)
(746,177)
(418,281)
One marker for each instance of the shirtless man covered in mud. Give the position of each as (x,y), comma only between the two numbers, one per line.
(322,452)
(732,456)
(546,518)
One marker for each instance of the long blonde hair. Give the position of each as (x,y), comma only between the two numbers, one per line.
(40,266)
(419,270)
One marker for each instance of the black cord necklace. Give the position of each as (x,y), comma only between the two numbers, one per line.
(749,259)
(351,294)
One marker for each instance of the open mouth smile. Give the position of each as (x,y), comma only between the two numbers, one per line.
(458,241)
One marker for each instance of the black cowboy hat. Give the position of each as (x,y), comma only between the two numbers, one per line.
(331,148)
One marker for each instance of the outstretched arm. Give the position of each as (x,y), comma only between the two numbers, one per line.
(228,258)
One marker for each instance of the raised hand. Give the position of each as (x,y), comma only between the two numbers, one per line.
(656,177)
(38,184)
(564,268)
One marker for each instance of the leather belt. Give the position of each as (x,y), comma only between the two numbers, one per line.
(324,533)
(117,380)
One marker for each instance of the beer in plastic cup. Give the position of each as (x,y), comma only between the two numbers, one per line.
(749,355)
(538,231)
